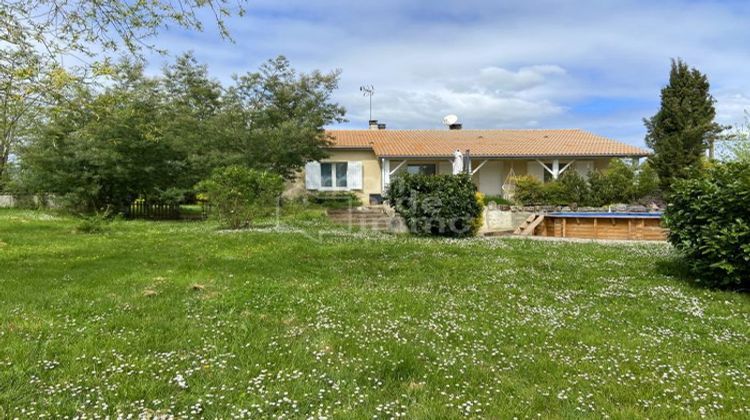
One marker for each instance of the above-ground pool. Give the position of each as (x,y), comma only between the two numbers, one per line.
(617,225)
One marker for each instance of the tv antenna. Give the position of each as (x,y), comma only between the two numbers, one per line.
(368,90)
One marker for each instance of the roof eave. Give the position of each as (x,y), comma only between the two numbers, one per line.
(600,155)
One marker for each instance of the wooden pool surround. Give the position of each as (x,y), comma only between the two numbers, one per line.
(601,226)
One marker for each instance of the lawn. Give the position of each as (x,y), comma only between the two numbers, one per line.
(151,318)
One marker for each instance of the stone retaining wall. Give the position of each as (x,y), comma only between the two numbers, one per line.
(28,201)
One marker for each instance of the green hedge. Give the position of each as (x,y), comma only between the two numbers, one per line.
(444,205)
(709,221)
(618,184)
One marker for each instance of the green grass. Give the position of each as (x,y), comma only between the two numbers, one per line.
(498,199)
(152,318)
(191,209)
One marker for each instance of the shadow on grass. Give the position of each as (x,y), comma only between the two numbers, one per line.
(677,267)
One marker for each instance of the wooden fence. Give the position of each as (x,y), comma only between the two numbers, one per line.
(152,211)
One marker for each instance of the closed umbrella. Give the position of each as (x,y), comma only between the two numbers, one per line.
(458,162)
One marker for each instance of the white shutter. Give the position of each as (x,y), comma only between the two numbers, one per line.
(354,175)
(312,175)
(535,169)
(584,167)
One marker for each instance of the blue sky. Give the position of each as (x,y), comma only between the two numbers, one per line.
(596,65)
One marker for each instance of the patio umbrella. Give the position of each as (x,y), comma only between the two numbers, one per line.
(458,162)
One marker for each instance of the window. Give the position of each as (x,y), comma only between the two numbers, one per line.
(425,169)
(333,174)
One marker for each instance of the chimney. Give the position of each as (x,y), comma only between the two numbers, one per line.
(374,125)
(455,126)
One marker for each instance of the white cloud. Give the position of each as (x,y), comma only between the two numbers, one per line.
(731,108)
(490,97)
(496,63)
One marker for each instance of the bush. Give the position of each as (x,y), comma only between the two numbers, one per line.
(94,223)
(647,183)
(575,188)
(554,193)
(618,184)
(335,199)
(238,194)
(709,223)
(615,185)
(444,205)
(529,191)
(498,199)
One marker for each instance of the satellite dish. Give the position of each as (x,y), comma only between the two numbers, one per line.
(450,119)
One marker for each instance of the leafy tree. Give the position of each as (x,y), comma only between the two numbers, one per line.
(34,34)
(684,126)
(155,138)
(25,79)
(274,118)
(103,150)
(72,27)
(190,114)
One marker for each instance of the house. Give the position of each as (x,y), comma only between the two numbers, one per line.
(364,161)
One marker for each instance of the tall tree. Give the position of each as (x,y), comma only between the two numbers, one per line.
(190,118)
(275,117)
(25,81)
(155,138)
(104,149)
(683,127)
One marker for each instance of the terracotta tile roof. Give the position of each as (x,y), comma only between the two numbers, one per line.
(482,143)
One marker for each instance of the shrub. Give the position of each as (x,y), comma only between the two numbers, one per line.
(622,178)
(480,197)
(570,188)
(529,190)
(618,184)
(575,188)
(709,223)
(615,185)
(93,223)
(498,199)
(238,194)
(335,199)
(647,182)
(554,193)
(445,205)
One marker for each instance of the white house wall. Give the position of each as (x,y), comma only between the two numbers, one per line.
(490,176)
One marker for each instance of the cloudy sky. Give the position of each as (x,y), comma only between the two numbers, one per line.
(596,65)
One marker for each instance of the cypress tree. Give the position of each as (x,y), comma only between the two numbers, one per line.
(683,127)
